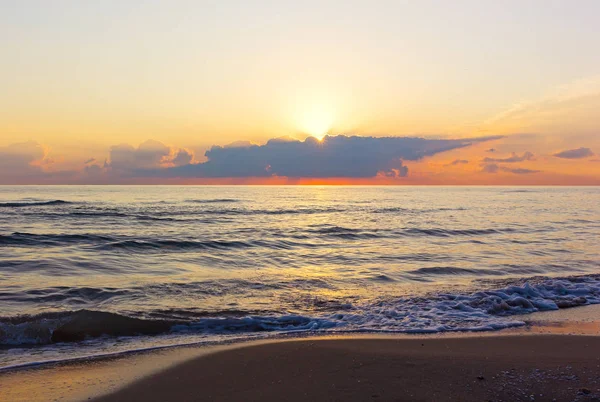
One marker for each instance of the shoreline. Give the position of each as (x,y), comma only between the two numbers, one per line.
(583,320)
(97,377)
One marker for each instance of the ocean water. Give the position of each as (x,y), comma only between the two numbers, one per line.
(92,270)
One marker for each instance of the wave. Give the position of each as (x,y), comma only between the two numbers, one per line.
(217,211)
(334,232)
(75,326)
(65,295)
(520,191)
(205,215)
(167,244)
(163,245)
(215,201)
(129,216)
(285,240)
(456,232)
(91,296)
(355,234)
(30,239)
(372,233)
(392,210)
(453,271)
(298,211)
(109,242)
(171,214)
(479,311)
(482,310)
(184,214)
(344,233)
(104,242)
(33,204)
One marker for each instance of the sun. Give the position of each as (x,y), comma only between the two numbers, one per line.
(316,122)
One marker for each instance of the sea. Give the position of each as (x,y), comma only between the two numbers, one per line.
(99,270)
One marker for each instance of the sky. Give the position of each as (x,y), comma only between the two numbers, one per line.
(310,92)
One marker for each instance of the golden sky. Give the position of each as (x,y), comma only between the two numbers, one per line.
(81,78)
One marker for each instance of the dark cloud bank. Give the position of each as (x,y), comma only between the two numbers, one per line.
(334,156)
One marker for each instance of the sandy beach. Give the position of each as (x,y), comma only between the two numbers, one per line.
(506,368)
(550,360)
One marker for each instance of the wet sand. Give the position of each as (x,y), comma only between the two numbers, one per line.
(555,359)
(509,368)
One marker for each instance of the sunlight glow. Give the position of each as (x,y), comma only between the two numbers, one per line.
(316,122)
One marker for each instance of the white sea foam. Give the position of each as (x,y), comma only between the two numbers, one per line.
(36,332)
(477,311)
(483,310)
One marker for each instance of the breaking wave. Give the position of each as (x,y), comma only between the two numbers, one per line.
(478,311)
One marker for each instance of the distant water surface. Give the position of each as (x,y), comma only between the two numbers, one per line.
(88,270)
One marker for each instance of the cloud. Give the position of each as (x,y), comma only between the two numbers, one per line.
(458,162)
(334,156)
(240,144)
(94,170)
(23,158)
(575,153)
(571,107)
(398,171)
(490,168)
(148,155)
(29,163)
(527,156)
(495,168)
(124,160)
(182,157)
(520,170)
